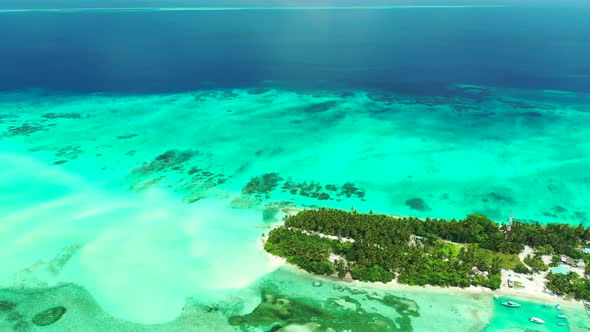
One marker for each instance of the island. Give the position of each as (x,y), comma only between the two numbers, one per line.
(474,251)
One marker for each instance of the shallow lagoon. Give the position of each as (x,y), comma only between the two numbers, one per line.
(164,197)
(480,150)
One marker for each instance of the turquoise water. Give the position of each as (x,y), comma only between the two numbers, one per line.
(145,149)
(247,8)
(513,318)
(304,303)
(460,155)
(141,196)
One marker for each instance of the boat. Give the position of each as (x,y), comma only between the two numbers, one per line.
(562,316)
(536,320)
(510,304)
(562,324)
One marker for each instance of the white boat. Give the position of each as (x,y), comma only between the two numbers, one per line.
(536,320)
(510,304)
(562,316)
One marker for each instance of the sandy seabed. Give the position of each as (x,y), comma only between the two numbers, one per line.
(140,200)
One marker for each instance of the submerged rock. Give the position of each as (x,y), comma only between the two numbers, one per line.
(49,316)
(6,305)
(418,204)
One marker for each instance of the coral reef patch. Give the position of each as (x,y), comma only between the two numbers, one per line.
(278,312)
(176,169)
(498,198)
(49,316)
(417,204)
(23,130)
(262,185)
(314,189)
(52,115)
(170,160)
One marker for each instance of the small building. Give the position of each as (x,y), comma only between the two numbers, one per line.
(416,240)
(568,261)
(475,270)
(560,270)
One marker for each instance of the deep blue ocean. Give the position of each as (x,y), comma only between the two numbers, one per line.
(418,51)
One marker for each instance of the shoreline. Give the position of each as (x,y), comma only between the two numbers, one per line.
(504,291)
(277,262)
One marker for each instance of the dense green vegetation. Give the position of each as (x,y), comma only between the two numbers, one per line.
(569,284)
(521,268)
(536,263)
(553,238)
(310,252)
(555,261)
(560,239)
(459,253)
(506,261)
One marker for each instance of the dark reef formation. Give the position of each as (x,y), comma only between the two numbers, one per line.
(127,136)
(259,91)
(525,105)
(321,107)
(558,212)
(217,95)
(10,314)
(6,305)
(49,316)
(581,216)
(23,130)
(63,116)
(277,312)
(171,160)
(69,307)
(271,152)
(418,204)
(263,185)
(198,183)
(498,198)
(178,169)
(69,152)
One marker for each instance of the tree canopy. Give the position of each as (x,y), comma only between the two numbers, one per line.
(377,247)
